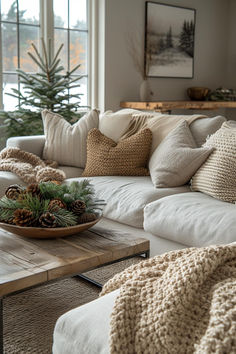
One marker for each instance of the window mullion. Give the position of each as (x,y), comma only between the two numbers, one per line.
(47,24)
(1,75)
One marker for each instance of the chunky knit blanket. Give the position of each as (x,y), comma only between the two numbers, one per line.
(181,302)
(29,167)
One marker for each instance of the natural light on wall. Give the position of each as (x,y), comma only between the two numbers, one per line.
(20,26)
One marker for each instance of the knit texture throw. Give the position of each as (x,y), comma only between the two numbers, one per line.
(29,167)
(180,302)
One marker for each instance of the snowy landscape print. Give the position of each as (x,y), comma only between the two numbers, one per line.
(169,46)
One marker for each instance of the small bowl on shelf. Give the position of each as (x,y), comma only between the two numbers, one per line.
(197,93)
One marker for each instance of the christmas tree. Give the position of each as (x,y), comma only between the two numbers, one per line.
(47,89)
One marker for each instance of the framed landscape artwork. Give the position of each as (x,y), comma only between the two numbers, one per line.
(169,41)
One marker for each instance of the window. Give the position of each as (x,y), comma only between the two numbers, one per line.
(71,28)
(23,22)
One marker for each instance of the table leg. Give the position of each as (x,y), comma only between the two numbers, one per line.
(94,282)
(1,326)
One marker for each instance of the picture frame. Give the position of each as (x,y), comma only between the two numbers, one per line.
(169,40)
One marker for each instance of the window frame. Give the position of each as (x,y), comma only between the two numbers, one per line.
(46,31)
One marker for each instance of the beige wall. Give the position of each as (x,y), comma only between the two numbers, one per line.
(213,22)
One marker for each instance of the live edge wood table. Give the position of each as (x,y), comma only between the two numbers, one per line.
(25,263)
(167,106)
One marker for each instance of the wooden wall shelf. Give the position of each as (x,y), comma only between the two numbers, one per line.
(164,106)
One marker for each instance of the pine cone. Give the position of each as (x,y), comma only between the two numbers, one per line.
(56,182)
(23,217)
(86,217)
(56,203)
(47,220)
(78,207)
(13,191)
(33,189)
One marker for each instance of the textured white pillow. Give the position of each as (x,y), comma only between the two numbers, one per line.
(177,158)
(66,143)
(217,176)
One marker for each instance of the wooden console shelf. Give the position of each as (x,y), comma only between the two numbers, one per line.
(169,105)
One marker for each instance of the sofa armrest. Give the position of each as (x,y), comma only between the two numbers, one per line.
(33,144)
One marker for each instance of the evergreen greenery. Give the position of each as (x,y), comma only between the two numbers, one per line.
(40,204)
(37,205)
(7,208)
(64,218)
(47,89)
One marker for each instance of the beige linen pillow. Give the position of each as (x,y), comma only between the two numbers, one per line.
(159,124)
(217,176)
(128,157)
(177,158)
(66,143)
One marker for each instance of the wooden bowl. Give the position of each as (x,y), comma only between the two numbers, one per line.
(40,232)
(197,93)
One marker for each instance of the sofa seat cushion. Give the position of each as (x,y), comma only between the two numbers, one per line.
(71,172)
(193,219)
(85,329)
(127,196)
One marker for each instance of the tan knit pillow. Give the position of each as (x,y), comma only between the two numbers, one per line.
(128,157)
(217,176)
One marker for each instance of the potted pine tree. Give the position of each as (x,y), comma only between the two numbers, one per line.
(47,89)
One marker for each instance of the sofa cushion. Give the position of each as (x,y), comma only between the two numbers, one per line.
(202,128)
(85,329)
(66,143)
(71,172)
(177,158)
(159,124)
(193,219)
(128,157)
(127,196)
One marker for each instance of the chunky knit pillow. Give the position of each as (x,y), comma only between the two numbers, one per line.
(128,157)
(217,176)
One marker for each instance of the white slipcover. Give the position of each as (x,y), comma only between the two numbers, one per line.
(85,330)
(126,196)
(192,219)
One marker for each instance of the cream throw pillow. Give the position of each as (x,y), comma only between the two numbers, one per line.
(114,124)
(217,176)
(66,143)
(177,158)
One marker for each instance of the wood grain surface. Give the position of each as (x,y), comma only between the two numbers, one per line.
(28,262)
(169,105)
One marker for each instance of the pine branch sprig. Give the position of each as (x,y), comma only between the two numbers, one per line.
(64,218)
(7,208)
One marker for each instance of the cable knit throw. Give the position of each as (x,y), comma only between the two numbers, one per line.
(181,302)
(29,167)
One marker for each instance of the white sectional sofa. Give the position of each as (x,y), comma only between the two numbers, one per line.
(171,218)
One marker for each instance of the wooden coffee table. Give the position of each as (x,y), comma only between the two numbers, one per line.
(25,263)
